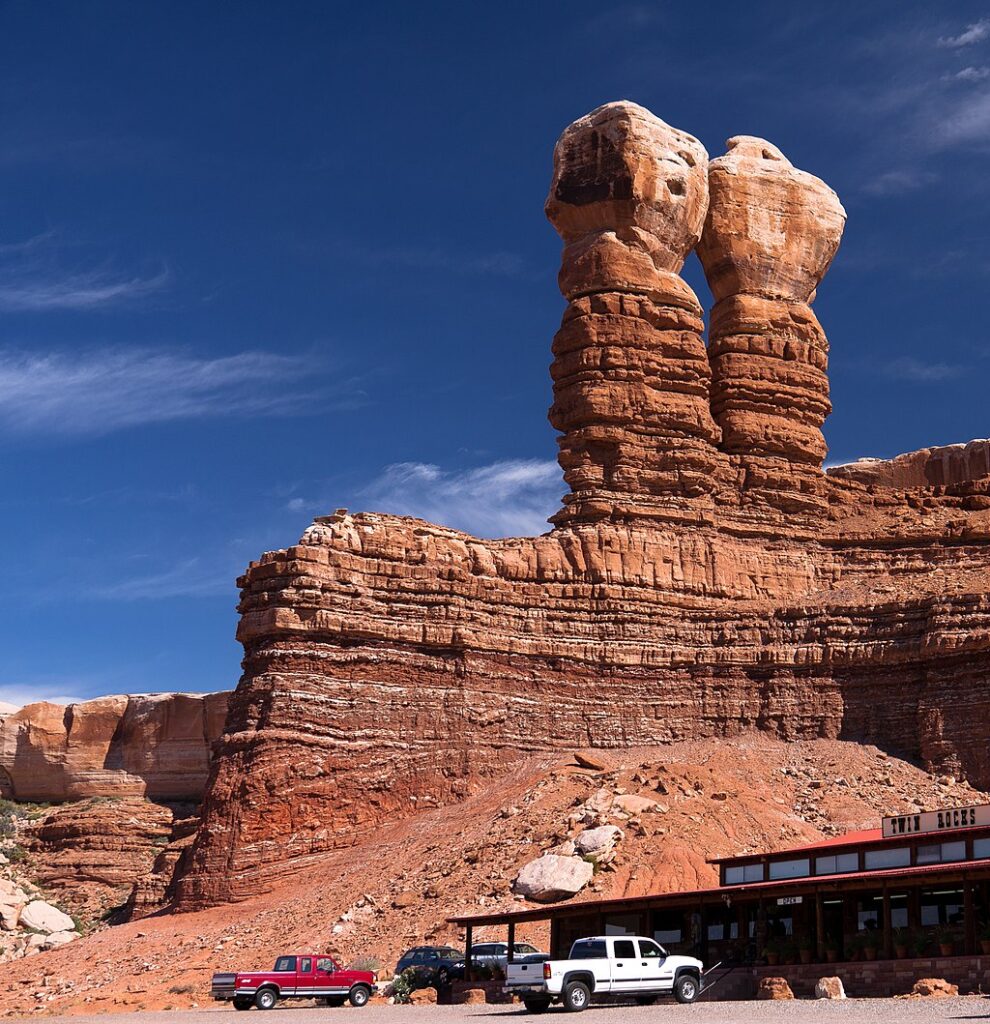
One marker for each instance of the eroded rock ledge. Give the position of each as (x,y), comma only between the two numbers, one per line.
(703,578)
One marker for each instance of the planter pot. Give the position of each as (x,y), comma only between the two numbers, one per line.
(870,953)
(985,946)
(901,952)
(946,948)
(773,959)
(832,955)
(806,956)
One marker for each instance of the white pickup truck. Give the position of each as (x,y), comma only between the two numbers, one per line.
(603,968)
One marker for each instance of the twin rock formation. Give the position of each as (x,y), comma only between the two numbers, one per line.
(704,577)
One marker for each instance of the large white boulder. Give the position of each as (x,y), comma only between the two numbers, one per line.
(551,878)
(61,939)
(597,843)
(9,915)
(43,917)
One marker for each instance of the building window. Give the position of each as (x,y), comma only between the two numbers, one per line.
(789,869)
(740,873)
(623,924)
(941,906)
(668,927)
(981,848)
(836,864)
(899,857)
(721,924)
(941,853)
(869,912)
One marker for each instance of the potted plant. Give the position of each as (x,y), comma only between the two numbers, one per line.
(832,951)
(871,945)
(806,949)
(771,952)
(901,941)
(946,942)
(920,942)
(788,952)
(985,939)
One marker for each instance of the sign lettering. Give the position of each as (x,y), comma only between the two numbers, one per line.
(935,821)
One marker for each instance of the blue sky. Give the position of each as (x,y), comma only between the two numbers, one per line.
(259,261)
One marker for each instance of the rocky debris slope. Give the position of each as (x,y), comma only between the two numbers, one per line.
(675,806)
(153,745)
(92,853)
(704,576)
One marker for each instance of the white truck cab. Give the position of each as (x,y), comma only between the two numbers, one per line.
(605,967)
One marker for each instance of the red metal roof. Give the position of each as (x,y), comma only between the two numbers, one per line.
(750,888)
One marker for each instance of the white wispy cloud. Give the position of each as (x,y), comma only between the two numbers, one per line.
(974,33)
(20,694)
(967,122)
(911,369)
(898,182)
(99,391)
(968,74)
(34,278)
(508,498)
(188,578)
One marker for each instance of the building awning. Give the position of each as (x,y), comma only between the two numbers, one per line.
(754,890)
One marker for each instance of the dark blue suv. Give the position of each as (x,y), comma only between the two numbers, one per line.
(433,964)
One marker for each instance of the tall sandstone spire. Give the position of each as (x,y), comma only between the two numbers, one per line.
(631,377)
(769,237)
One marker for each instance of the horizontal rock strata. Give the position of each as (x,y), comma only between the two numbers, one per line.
(704,578)
(153,745)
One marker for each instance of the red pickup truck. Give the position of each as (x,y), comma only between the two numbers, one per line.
(307,976)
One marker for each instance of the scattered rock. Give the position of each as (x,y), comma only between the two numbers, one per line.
(597,843)
(551,878)
(471,997)
(829,988)
(935,988)
(590,762)
(43,917)
(774,988)
(423,997)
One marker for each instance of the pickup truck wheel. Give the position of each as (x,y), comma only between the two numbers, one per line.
(243,1002)
(686,988)
(536,1005)
(359,995)
(577,995)
(265,999)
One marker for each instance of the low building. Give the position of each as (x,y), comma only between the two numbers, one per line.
(915,892)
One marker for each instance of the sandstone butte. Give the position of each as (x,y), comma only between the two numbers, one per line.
(704,576)
(148,745)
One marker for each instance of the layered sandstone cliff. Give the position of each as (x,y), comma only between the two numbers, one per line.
(153,745)
(703,579)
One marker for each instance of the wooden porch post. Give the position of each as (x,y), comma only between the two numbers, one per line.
(888,937)
(819,927)
(512,941)
(969,918)
(468,972)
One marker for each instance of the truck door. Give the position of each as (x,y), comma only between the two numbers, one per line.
(304,976)
(652,964)
(626,972)
(285,975)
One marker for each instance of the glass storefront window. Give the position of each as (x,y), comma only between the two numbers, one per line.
(899,857)
(837,864)
(721,925)
(740,873)
(981,848)
(668,927)
(941,906)
(623,924)
(789,869)
(869,912)
(942,853)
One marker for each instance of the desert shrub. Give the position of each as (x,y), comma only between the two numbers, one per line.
(182,990)
(366,963)
(405,983)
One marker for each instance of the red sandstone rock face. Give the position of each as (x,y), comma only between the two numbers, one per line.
(155,745)
(631,378)
(930,467)
(771,233)
(696,584)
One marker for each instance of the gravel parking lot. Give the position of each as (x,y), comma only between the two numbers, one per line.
(851,1011)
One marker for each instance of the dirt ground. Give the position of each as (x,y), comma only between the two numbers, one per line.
(851,1011)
